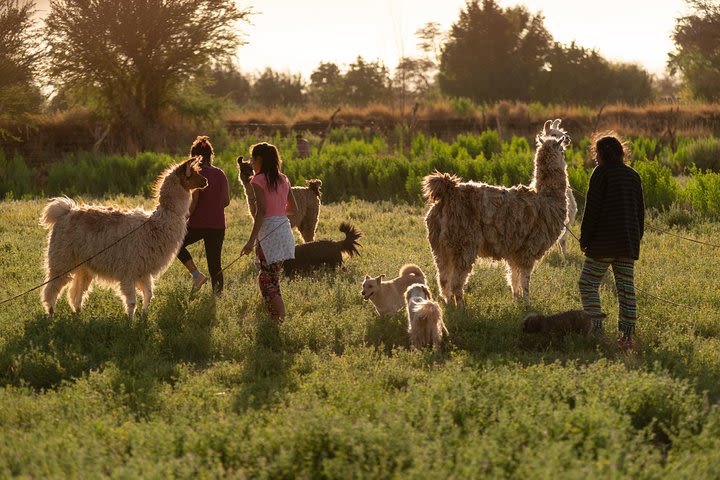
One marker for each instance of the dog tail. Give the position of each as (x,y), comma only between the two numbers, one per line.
(437,186)
(57,207)
(350,244)
(411,269)
(430,310)
(314,185)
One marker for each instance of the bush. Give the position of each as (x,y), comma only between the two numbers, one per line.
(703,191)
(660,188)
(100,175)
(15,177)
(703,153)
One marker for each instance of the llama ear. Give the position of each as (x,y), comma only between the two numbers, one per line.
(188,168)
(240,160)
(565,141)
(556,124)
(538,140)
(548,124)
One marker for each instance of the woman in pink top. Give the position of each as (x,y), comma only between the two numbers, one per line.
(207,218)
(271,229)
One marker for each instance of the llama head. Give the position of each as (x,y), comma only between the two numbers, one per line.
(246,170)
(189,174)
(552,131)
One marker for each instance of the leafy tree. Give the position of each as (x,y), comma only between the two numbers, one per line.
(19,53)
(275,88)
(493,53)
(136,54)
(431,40)
(697,55)
(227,82)
(327,85)
(366,82)
(578,75)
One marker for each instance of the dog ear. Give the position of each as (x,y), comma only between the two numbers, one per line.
(367,277)
(427,292)
(379,278)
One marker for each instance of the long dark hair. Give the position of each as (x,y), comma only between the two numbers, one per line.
(202,146)
(271,162)
(608,149)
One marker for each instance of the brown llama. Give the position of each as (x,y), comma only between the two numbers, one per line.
(78,232)
(518,225)
(305,219)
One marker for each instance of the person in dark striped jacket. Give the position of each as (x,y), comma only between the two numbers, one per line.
(612,227)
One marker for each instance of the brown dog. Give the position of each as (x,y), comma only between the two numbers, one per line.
(559,324)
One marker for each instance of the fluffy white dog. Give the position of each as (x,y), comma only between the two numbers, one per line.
(425,323)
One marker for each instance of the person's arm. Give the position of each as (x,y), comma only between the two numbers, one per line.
(258,221)
(194,201)
(593,208)
(227,193)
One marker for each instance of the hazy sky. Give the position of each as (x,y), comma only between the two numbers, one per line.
(296,35)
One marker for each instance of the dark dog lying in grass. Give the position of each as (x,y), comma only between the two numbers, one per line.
(323,253)
(559,324)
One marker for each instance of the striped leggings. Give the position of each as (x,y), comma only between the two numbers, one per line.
(592,274)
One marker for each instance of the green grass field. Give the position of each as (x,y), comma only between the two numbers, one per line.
(208,387)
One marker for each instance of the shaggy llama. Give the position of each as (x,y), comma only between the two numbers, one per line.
(79,232)
(518,225)
(307,200)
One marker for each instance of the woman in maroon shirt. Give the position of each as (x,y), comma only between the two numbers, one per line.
(207,218)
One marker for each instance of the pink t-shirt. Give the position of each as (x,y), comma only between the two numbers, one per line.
(210,209)
(275,200)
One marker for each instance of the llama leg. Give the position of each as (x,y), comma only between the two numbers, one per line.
(525,280)
(444,274)
(563,244)
(127,289)
(146,286)
(52,290)
(81,282)
(513,279)
(463,267)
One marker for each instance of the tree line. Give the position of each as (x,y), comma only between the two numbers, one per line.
(135,60)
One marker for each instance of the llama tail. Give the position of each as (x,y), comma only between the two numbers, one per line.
(314,185)
(350,244)
(411,269)
(437,186)
(56,208)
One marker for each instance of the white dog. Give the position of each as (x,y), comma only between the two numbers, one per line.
(425,323)
(389,296)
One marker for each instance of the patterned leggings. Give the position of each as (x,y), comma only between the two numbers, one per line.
(592,274)
(269,278)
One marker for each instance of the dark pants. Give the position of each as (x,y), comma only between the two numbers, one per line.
(213,239)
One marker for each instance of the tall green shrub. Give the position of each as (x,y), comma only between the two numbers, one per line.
(15,176)
(660,188)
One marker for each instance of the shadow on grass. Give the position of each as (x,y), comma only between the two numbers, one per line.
(141,353)
(266,373)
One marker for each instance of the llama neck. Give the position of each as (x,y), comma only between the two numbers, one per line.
(550,177)
(249,196)
(174,200)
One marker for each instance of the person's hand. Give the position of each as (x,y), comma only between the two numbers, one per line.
(248,248)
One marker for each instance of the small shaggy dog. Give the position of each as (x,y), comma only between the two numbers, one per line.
(559,324)
(323,253)
(79,232)
(425,323)
(570,220)
(389,297)
(307,200)
(518,225)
